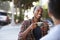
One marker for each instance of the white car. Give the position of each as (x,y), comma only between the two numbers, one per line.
(4,18)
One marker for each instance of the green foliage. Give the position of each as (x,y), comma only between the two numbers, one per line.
(15,17)
(45,14)
(26,3)
(21,18)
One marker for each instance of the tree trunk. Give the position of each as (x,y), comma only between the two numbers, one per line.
(21,15)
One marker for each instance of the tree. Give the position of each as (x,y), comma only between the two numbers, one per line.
(26,3)
(23,4)
(45,13)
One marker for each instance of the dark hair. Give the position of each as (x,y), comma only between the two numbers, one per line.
(54,8)
(36,7)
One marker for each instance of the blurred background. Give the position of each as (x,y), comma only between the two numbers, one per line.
(13,12)
(18,10)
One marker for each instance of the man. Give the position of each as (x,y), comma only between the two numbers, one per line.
(54,13)
(28,28)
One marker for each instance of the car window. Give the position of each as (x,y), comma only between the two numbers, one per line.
(2,13)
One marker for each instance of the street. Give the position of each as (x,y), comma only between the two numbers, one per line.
(9,32)
(1,26)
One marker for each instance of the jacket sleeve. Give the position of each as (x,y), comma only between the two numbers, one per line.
(22,29)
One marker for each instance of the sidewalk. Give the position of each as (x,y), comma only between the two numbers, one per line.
(9,32)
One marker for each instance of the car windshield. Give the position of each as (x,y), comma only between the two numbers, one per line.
(2,13)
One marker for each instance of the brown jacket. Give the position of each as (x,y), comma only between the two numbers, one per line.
(24,26)
(30,35)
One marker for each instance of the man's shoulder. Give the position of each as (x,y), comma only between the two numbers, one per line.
(49,37)
(52,35)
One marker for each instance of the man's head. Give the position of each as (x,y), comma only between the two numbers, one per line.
(38,12)
(54,9)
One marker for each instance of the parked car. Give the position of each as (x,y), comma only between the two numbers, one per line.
(4,18)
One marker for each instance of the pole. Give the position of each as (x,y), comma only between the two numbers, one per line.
(12,10)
